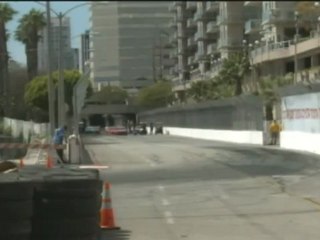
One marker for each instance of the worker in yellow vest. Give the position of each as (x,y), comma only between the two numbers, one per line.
(275,129)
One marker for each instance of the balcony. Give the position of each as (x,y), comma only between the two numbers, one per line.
(232,43)
(253,25)
(191,42)
(227,19)
(212,27)
(173,54)
(200,56)
(172,7)
(277,16)
(182,34)
(191,60)
(212,6)
(212,49)
(199,36)
(198,16)
(191,23)
(173,23)
(285,50)
(252,3)
(173,38)
(191,5)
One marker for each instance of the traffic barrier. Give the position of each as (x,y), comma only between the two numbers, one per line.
(21,163)
(49,161)
(106,212)
(31,146)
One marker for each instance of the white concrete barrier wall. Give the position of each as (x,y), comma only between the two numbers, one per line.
(25,127)
(250,137)
(303,141)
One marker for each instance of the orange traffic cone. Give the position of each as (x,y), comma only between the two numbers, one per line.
(49,162)
(21,163)
(106,212)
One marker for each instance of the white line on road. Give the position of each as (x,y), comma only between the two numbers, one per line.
(169,217)
(165,202)
(161,188)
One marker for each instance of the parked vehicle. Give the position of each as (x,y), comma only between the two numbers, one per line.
(93,130)
(116,130)
(141,129)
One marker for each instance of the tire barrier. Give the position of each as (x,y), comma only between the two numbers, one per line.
(16,208)
(31,146)
(55,204)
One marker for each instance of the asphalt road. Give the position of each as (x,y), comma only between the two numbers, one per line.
(170,188)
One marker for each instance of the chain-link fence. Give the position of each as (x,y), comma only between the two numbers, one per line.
(238,113)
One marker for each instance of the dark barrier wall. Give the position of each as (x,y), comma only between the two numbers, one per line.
(238,113)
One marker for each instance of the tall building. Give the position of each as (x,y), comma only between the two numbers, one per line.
(66,44)
(279,54)
(75,58)
(130,37)
(84,49)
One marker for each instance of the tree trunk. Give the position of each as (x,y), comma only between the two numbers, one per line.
(34,57)
(3,67)
(238,90)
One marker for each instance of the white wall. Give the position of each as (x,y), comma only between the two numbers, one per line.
(300,141)
(19,126)
(301,122)
(249,137)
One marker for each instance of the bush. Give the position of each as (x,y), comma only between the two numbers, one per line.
(7,131)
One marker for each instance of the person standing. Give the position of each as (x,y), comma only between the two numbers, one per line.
(58,138)
(151,128)
(275,129)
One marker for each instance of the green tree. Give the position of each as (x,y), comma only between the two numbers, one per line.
(28,33)
(109,95)
(36,92)
(268,89)
(155,96)
(6,15)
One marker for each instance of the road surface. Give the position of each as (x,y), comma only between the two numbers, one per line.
(170,188)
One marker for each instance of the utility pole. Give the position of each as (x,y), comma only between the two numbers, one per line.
(61,97)
(295,47)
(50,83)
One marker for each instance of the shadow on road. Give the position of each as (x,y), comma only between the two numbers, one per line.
(115,235)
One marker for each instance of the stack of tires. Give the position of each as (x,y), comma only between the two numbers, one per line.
(16,208)
(66,205)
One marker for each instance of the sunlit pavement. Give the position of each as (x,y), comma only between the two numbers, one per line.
(169,188)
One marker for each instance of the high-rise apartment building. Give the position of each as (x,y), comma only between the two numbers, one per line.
(128,39)
(66,44)
(207,32)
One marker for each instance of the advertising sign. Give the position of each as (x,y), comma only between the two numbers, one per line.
(301,113)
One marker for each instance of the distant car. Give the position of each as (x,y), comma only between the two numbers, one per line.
(93,129)
(141,129)
(116,130)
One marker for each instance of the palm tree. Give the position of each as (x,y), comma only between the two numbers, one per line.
(234,70)
(6,15)
(28,33)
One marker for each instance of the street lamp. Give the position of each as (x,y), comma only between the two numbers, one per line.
(296,18)
(61,87)
(50,82)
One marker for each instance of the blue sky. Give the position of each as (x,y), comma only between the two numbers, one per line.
(79,23)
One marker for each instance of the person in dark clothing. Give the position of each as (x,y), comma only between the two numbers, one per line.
(58,138)
(151,128)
